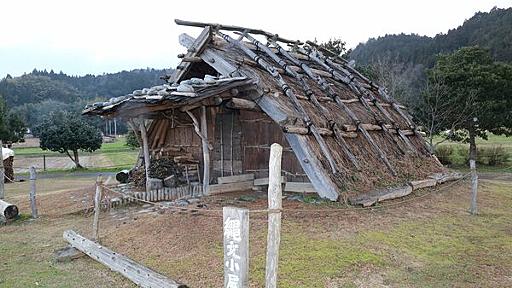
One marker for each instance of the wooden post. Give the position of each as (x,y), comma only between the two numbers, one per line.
(2,172)
(202,131)
(236,247)
(206,152)
(33,204)
(139,274)
(275,195)
(115,127)
(44,162)
(145,149)
(97,200)
(474,187)
(472,166)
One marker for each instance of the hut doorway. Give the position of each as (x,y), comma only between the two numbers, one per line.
(227,147)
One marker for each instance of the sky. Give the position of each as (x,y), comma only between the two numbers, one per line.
(93,37)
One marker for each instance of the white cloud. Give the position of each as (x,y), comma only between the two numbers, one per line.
(106,36)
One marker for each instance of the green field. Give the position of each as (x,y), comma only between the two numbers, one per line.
(114,156)
(458,153)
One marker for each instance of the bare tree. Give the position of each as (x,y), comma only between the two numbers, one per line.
(437,112)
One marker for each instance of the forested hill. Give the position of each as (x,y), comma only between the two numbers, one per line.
(492,30)
(39,86)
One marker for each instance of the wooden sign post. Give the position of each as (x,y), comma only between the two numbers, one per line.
(275,194)
(33,204)
(236,247)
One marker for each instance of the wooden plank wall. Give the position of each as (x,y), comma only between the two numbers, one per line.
(253,133)
(258,133)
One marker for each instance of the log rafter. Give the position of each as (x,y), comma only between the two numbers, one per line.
(326,88)
(289,92)
(312,97)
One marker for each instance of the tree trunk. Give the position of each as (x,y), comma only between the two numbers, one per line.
(76,160)
(474,176)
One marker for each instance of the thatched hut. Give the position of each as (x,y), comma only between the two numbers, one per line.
(231,97)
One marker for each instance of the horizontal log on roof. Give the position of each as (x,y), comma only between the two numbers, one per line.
(323,131)
(235,28)
(242,104)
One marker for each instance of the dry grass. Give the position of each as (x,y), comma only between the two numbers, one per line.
(425,242)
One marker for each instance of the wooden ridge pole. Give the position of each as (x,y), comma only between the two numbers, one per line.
(325,87)
(97,202)
(33,203)
(275,195)
(234,28)
(288,91)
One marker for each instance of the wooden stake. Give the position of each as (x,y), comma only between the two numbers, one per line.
(474,187)
(97,200)
(236,247)
(33,205)
(145,148)
(274,215)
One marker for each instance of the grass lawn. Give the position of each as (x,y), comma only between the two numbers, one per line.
(425,242)
(457,153)
(110,157)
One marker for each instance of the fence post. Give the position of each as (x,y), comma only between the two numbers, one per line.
(2,172)
(236,247)
(33,204)
(97,200)
(44,162)
(274,215)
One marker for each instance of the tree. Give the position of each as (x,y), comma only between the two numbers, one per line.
(132,140)
(481,91)
(66,132)
(12,127)
(439,113)
(337,46)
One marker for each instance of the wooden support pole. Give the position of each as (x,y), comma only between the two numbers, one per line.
(202,131)
(236,247)
(97,201)
(33,203)
(137,273)
(2,172)
(275,195)
(145,149)
(206,151)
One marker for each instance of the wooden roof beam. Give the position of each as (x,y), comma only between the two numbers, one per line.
(236,28)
